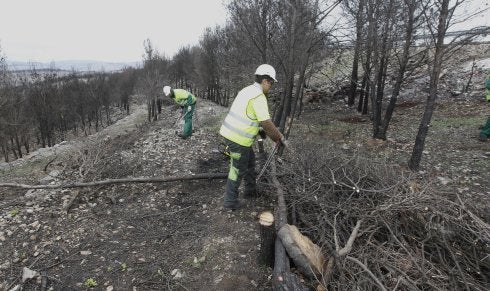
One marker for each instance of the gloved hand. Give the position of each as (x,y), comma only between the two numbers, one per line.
(284,142)
(189,108)
(262,134)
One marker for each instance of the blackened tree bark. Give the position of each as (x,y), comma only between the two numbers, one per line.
(368,66)
(411,19)
(357,47)
(151,79)
(387,32)
(418,148)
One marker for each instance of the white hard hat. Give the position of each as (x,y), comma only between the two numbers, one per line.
(166,90)
(266,69)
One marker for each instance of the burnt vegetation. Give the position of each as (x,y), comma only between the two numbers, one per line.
(394,194)
(412,236)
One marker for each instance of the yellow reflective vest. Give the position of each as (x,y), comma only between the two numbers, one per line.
(241,125)
(183,97)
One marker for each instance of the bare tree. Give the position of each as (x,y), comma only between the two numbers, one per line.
(254,19)
(443,11)
(4,85)
(42,96)
(209,67)
(151,80)
(359,16)
(412,11)
(182,68)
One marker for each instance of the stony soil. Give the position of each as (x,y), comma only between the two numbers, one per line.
(130,236)
(176,236)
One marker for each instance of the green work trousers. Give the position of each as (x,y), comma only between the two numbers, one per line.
(242,166)
(485,132)
(188,112)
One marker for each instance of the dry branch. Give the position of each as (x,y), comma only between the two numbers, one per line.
(365,268)
(414,238)
(119,181)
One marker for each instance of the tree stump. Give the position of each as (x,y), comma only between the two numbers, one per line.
(267,238)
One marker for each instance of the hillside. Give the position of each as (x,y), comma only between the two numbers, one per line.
(71,65)
(176,236)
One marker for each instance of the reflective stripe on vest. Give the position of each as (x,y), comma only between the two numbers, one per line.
(238,125)
(237,131)
(244,120)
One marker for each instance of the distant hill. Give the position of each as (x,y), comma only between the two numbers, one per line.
(70,65)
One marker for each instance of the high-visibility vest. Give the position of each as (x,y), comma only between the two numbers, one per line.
(183,97)
(488,88)
(238,126)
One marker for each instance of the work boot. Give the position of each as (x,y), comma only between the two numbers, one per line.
(182,136)
(234,206)
(482,137)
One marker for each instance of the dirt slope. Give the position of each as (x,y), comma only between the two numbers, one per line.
(176,236)
(130,236)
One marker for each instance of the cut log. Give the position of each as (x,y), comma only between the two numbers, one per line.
(267,238)
(283,279)
(306,255)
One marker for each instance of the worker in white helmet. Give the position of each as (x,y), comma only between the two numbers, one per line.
(187,102)
(247,114)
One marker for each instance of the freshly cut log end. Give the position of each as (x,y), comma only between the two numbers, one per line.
(306,255)
(266,218)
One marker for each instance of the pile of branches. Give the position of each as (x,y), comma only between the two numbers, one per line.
(411,235)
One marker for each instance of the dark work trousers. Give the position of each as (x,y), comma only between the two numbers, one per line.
(485,131)
(242,165)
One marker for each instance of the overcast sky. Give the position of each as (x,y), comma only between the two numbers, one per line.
(114,30)
(104,30)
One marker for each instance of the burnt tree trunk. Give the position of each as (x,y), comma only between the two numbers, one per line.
(401,71)
(418,148)
(355,63)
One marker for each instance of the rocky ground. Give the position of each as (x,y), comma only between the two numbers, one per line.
(176,236)
(130,236)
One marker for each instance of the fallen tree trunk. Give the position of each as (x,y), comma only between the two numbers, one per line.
(119,181)
(283,278)
(306,255)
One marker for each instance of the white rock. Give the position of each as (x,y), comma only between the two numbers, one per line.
(5,265)
(85,253)
(444,180)
(28,274)
(36,225)
(176,273)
